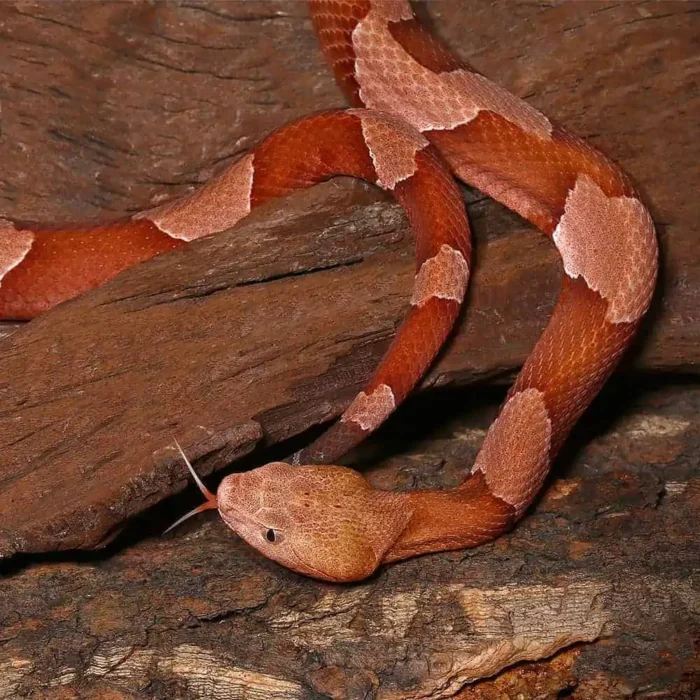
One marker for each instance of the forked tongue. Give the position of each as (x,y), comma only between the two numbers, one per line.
(209,504)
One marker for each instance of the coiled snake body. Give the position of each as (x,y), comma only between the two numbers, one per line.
(430,114)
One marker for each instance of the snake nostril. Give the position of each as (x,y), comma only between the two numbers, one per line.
(271,536)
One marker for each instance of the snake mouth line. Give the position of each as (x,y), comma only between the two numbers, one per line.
(238,517)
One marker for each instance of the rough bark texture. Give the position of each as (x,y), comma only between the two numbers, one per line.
(608,555)
(263,332)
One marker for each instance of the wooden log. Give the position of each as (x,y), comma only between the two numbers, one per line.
(265,331)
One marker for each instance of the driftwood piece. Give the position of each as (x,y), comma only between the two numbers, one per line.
(601,575)
(235,342)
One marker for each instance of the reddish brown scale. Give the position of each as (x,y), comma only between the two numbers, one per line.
(338,439)
(418,341)
(63,263)
(415,346)
(431,199)
(575,355)
(443,520)
(532,176)
(438,221)
(334,23)
(433,203)
(309,151)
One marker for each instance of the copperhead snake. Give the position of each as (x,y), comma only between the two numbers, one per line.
(420,115)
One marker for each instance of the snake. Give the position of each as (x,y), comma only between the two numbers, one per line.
(420,117)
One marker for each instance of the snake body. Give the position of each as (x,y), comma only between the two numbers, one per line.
(426,108)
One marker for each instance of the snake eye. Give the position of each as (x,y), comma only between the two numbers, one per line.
(271,536)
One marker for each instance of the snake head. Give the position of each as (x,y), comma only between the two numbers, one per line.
(326,522)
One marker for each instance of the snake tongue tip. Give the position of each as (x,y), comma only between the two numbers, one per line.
(207,505)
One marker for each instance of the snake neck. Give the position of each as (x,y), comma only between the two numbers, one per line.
(463,517)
